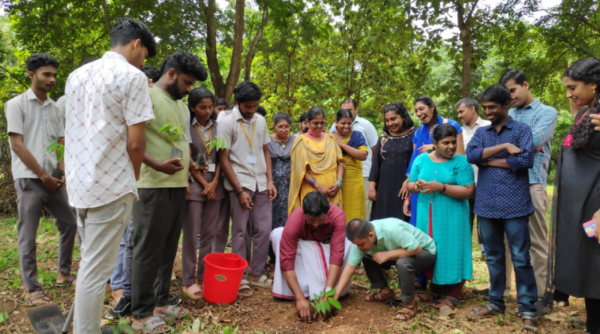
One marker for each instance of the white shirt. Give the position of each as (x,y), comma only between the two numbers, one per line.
(39,123)
(468,133)
(368,130)
(103,98)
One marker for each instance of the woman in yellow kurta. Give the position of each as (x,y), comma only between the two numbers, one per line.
(317,163)
(354,149)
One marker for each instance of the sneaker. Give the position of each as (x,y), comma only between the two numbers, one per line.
(121,310)
(174,300)
(481,292)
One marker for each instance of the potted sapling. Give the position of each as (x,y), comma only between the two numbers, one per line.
(203,161)
(175,134)
(59,148)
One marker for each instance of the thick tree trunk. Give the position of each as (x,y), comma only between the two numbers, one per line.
(465,38)
(211,50)
(252,49)
(238,46)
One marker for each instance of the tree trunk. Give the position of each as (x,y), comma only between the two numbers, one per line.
(252,49)
(465,38)
(238,46)
(211,50)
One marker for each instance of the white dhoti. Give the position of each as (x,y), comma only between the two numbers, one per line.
(311,266)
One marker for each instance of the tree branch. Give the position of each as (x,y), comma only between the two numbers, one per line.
(252,48)
(106,16)
(14,76)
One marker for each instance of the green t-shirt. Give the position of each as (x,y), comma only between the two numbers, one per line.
(392,234)
(159,145)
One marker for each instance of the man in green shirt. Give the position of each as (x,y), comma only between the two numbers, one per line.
(381,244)
(161,211)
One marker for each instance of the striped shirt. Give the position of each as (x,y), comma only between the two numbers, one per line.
(542,121)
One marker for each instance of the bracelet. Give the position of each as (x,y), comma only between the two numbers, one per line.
(271,182)
(240,192)
(340,179)
(407,199)
(443,190)
(339,184)
(312,181)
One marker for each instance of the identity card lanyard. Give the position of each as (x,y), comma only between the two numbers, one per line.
(251,159)
(211,166)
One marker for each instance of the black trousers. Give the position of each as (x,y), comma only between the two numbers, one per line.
(158,218)
(592,309)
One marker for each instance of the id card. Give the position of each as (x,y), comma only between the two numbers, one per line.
(251,159)
(211,167)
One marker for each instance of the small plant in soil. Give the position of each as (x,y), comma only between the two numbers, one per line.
(202,159)
(175,134)
(323,302)
(59,148)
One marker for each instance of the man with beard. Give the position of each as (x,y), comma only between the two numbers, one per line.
(33,121)
(160,213)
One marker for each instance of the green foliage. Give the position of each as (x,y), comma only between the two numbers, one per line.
(323,302)
(122,327)
(175,133)
(3,317)
(219,143)
(57,147)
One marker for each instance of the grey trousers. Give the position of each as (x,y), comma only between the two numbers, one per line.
(32,198)
(101,229)
(202,217)
(261,229)
(157,221)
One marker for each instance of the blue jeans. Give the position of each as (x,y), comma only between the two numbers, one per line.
(517,233)
(121,277)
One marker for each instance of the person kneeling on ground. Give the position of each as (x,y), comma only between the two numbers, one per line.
(381,244)
(312,235)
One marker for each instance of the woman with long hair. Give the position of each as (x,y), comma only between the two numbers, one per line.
(390,162)
(317,163)
(577,195)
(354,148)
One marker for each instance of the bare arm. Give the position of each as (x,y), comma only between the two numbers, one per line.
(344,280)
(61,163)
(401,252)
(491,151)
(460,149)
(270,185)
(18,146)
(136,146)
(228,170)
(501,163)
(354,152)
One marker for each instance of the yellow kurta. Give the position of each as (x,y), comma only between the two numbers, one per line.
(320,160)
(354,186)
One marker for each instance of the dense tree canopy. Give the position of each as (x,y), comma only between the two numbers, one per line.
(305,53)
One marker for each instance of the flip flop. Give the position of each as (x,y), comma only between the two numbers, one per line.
(39,295)
(245,285)
(173,313)
(193,291)
(149,325)
(263,282)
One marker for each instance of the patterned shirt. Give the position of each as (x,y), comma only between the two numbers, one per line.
(103,98)
(542,121)
(501,192)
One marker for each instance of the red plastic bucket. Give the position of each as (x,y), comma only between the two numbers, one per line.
(222,277)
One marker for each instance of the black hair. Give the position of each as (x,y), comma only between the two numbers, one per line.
(247,91)
(358,228)
(350,100)
(517,75)
(88,60)
(469,102)
(127,29)
(186,63)
(38,60)
(262,111)
(303,117)
(426,100)
(586,70)
(281,117)
(196,96)
(152,73)
(313,112)
(444,130)
(496,93)
(343,113)
(315,204)
(399,109)
(221,102)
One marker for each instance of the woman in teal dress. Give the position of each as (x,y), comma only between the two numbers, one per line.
(445,182)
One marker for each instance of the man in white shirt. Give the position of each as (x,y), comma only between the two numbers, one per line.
(368,130)
(107,108)
(33,121)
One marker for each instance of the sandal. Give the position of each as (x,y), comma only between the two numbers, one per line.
(483,312)
(445,301)
(149,326)
(173,313)
(263,282)
(193,291)
(244,285)
(40,297)
(407,313)
(379,296)
(424,298)
(70,280)
(529,328)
